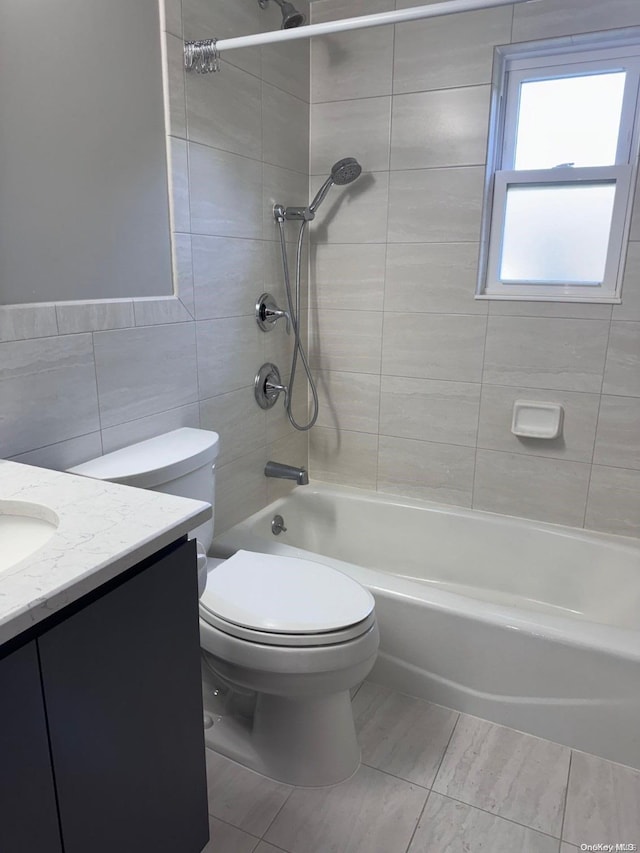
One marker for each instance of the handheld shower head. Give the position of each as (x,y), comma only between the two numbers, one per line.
(343,172)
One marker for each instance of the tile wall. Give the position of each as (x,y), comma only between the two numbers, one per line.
(76,382)
(417,379)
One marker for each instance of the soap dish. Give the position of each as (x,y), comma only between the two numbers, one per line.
(535,419)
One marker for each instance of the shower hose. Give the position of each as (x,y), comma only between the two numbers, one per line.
(294,314)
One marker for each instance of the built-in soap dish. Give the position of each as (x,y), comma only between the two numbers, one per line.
(534,419)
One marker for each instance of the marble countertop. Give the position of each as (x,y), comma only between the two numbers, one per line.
(104,529)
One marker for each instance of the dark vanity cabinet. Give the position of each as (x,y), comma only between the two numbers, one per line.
(101,736)
(28,810)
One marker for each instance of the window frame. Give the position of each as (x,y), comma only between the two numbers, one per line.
(594,53)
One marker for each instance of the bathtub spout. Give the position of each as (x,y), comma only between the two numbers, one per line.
(287,472)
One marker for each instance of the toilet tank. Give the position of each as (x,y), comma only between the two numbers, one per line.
(181,462)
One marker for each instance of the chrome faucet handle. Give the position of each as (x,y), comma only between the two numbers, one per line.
(268,313)
(268,385)
(277,313)
(272,389)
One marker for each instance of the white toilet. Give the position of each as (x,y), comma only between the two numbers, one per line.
(291,636)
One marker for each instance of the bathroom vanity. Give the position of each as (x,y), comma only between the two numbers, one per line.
(101,739)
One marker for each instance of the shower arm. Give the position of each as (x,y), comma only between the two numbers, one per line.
(203,56)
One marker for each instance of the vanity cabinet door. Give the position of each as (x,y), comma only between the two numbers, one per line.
(122,689)
(28,815)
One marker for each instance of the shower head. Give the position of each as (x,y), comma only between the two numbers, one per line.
(343,172)
(290,15)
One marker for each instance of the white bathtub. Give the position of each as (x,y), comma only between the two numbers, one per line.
(532,625)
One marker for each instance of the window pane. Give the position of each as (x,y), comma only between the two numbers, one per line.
(557,233)
(569,120)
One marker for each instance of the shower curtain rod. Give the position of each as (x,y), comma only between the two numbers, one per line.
(203,56)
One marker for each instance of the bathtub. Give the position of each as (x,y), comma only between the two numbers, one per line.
(532,625)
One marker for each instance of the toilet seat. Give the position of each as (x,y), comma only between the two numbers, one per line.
(328,638)
(285,601)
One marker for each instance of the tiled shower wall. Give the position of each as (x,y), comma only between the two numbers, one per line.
(418,379)
(69,389)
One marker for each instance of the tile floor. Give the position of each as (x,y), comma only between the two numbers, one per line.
(431,781)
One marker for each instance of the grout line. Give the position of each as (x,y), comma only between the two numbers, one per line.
(233,825)
(95,373)
(14,456)
(446,749)
(262,112)
(395,776)
(410,313)
(545,390)
(262,162)
(501,817)
(271,844)
(415,829)
(438,168)
(444,752)
(385,261)
(275,817)
(474,85)
(172,199)
(190,142)
(199,400)
(429,441)
(475,454)
(237,67)
(266,240)
(566,797)
(595,436)
(326,243)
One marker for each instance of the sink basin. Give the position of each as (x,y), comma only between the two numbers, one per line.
(24,528)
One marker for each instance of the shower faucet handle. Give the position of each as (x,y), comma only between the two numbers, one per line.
(268,313)
(281,313)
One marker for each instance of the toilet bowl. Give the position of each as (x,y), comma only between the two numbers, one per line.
(299,635)
(292,636)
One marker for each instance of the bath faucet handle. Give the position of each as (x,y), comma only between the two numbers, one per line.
(274,388)
(280,312)
(268,313)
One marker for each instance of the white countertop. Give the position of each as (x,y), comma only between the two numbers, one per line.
(104,529)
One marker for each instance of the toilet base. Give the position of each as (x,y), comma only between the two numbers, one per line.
(308,742)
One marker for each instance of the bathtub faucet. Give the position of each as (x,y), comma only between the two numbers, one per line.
(287,472)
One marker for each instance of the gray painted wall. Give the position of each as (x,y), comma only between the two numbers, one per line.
(84,201)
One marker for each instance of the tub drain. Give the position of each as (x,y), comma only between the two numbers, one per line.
(277,525)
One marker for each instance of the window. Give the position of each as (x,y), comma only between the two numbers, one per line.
(562,162)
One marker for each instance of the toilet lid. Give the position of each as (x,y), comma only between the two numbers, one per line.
(288,595)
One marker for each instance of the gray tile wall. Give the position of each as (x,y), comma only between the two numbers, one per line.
(418,380)
(76,381)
